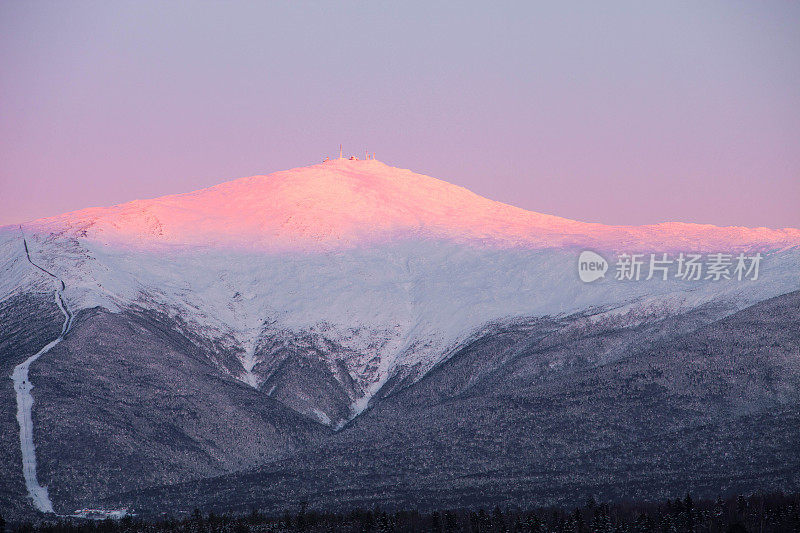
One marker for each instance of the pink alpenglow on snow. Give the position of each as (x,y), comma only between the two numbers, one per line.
(348,203)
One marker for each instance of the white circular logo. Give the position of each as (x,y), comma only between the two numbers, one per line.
(591,266)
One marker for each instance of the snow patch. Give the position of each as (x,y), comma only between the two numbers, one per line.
(23,388)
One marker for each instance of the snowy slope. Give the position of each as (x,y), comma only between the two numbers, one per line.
(366,269)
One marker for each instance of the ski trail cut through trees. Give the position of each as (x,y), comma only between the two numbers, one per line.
(23,387)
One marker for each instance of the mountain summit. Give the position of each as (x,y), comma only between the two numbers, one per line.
(343,203)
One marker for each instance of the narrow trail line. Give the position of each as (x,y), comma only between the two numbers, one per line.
(23,387)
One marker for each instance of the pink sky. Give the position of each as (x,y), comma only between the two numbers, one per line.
(622,114)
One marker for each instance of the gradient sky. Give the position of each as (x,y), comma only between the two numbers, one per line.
(623,113)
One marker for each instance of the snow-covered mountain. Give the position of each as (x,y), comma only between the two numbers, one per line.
(371,271)
(324,290)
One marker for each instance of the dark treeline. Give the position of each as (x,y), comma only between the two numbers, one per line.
(762,514)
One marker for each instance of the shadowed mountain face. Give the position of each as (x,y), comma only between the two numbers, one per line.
(144,405)
(534,414)
(535,411)
(27,322)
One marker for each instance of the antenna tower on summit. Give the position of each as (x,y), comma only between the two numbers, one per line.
(340,152)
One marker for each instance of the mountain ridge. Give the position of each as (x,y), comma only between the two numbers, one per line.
(345,203)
